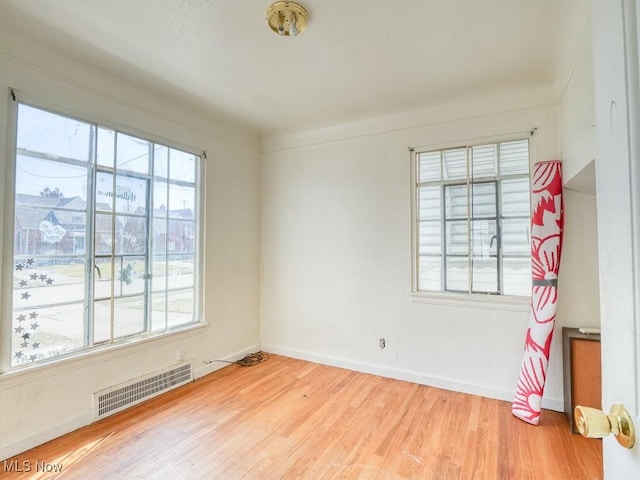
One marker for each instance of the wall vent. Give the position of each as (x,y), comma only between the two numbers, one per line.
(119,397)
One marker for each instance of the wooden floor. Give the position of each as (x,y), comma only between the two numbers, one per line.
(289,419)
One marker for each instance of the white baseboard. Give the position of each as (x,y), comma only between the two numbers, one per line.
(55,431)
(208,368)
(409,376)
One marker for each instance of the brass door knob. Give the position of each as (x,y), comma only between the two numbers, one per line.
(594,423)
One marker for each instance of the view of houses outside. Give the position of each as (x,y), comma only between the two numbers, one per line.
(104,236)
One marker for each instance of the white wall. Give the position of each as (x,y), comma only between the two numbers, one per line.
(578,286)
(41,404)
(579,289)
(336,254)
(577,116)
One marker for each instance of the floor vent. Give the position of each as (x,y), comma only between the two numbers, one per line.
(125,395)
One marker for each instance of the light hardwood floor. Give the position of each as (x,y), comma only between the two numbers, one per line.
(290,419)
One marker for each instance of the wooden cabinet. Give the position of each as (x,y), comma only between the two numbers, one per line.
(582,371)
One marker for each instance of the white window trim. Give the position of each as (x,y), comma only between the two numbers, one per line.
(467,300)
(458,299)
(138,343)
(104,353)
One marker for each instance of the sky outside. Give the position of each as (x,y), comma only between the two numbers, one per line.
(53,136)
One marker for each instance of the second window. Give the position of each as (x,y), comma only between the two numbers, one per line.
(472,219)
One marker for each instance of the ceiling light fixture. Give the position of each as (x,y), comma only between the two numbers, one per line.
(287,19)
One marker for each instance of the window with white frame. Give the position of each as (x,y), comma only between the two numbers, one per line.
(472,219)
(105,238)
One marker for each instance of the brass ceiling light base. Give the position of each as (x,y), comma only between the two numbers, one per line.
(287,19)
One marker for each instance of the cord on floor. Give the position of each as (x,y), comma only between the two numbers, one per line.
(248,360)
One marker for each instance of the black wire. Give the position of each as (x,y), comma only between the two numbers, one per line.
(249,360)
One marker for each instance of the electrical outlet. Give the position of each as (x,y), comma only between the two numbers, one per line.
(382,343)
(180,354)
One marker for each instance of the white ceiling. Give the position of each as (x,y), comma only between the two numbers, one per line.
(357,58)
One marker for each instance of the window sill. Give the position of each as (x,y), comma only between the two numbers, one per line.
(489,302)
(27,374)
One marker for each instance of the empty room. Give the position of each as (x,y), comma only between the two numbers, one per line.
(319,239)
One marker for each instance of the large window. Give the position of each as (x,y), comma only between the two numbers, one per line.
(105,236)
(472,213)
